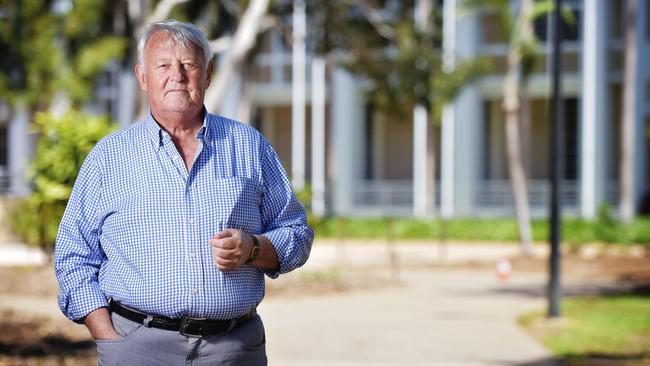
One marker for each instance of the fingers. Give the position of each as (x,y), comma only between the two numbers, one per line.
(227,249)
(223,263)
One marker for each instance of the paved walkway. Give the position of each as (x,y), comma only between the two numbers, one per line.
(438,316)
(428,317)
(435,318)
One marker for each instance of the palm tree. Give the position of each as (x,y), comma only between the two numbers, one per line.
(522,57)
(523,45)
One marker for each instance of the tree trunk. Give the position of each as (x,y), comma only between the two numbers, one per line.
(243,42)
(627,196)
(512,97)
(511,105)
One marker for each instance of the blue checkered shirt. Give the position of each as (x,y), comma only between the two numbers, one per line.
(138,223)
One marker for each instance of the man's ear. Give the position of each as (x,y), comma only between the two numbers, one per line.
(139,74)
(210,71)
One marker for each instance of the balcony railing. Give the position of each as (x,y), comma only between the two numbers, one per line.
(385,197)
(498,194)
(395,197)
(4,180)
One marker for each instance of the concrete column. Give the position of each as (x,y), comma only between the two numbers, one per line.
(318,137)
(21,148)
(643,79)
(447,140)
(348,116)
(467,150)
(595,108)
(298,97)
(461,132)
(277,54)
(229,105)
(126,98)
(421,206)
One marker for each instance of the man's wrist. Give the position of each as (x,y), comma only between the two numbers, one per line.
(255,250)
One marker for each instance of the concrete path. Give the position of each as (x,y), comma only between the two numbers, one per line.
(428,316)
(421,316)
(432,318)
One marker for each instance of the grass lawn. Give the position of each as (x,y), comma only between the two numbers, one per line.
(614,327)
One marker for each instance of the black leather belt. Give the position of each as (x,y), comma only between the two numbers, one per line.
(190,327)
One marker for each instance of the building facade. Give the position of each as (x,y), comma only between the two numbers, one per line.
(360,163)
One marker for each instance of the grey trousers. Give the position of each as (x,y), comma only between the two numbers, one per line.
(142,346)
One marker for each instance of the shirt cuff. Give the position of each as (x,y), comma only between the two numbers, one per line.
(82,301)
(291,248)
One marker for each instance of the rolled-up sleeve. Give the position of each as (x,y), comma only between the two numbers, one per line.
(77,254)
(283,217)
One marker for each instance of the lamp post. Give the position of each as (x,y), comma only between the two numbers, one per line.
(557,156)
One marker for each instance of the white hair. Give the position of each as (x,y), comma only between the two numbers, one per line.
(183,34)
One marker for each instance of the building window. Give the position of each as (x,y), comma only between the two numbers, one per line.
(617,19)
(487,146)
(645,203)
(535,154)
(571,139)
(4,179)
(3,145)
(647,21)
(369,143)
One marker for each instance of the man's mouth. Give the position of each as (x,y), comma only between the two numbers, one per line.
(176,91)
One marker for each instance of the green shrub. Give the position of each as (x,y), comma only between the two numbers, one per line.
(62,146)
(574,231)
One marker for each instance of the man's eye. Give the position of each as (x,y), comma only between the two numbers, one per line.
(190,66)
(161,66)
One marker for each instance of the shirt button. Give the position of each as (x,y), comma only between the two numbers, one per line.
(195,290)
(192,254)
(191,221)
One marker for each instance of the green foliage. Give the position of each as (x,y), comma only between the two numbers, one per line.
(608,228)
(62,147)
(46,51)
(616,326)
(518,29)
(574,231)
(401,61)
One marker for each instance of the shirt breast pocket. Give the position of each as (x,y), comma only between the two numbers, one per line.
(239,203)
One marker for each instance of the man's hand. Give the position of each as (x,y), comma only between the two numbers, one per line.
(100,325)
(231,248)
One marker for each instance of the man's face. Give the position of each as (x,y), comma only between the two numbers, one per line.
(173,77)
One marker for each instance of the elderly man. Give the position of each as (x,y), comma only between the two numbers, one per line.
(174,220)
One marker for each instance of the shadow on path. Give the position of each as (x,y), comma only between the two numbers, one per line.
(51,345)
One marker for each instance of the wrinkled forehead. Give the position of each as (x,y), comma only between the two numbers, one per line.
(162,43)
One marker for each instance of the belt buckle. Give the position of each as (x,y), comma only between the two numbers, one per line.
(189,327)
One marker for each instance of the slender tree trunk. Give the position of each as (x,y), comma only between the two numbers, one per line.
(627,196)
(511,105)
(512,97)
(243,42)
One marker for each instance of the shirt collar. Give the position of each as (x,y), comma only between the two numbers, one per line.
(158,134)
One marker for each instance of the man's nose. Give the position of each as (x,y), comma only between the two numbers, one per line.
(177,72)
